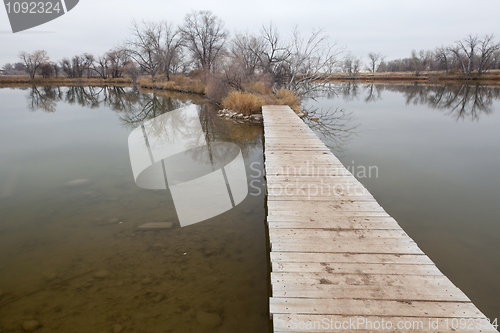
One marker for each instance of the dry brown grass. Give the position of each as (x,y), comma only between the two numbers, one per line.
(259,88)
(492,75)
(286,97)
(177,83)
(246,103)
(18,79)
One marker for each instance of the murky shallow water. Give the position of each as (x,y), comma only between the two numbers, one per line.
(435,149)
(70,253)
(71,256)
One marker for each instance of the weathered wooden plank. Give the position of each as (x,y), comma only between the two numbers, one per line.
(332,234)
(316,195)
(378,324)
(354,268)
(403,293)
(364,307)
(322,278)
(311,178)
(399,246)
(330,218)
(318,214)
(335,225)
(324,206)
(350,258)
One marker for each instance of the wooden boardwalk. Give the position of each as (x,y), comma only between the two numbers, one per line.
(340,263)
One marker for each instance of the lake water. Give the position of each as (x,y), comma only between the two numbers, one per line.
(71,256)
(435,157)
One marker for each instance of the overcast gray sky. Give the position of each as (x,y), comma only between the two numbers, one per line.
(391,27)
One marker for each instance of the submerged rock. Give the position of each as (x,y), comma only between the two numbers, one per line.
(146,280)
(156,226)
(114,220)
(159,298)
(208,320)
(77,182)
(49,276)
(102,274)
(31,325)
(117,328)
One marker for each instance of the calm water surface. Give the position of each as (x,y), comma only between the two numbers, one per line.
(71,256)
(437,152)
(70,253)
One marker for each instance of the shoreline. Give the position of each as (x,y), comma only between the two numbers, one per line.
(427,78)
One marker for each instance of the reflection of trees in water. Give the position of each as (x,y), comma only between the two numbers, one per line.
(247,136)
(140,107)
(373,92)
(466,100)
(134,107)
(335,127)
(44,98)
(84,96)
(350,91)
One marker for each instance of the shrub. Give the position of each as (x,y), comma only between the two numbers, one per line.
(259,88)
(217,88)
(245,103)
(286,97)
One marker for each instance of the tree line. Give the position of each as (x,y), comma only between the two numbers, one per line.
(472,55)
(201,45)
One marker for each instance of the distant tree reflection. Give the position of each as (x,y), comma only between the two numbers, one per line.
(463,100)
(335,127)
(135,106)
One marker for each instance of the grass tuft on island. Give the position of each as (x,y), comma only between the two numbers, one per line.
(251,103)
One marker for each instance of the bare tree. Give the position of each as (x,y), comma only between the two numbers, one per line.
(248,51)
(301,64)
(464,53)
(496,60)
(205,37)
(442,56)
(171,48)
(374,60)
(78,65)
(312,62)
(46,70)
(351,65)
(420,61)
(33,61)
(8,67)
(19,66)
(487,49)
(275,51)
(88,62)
(145,46)
(56,69)
(117,61)
(101,65)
